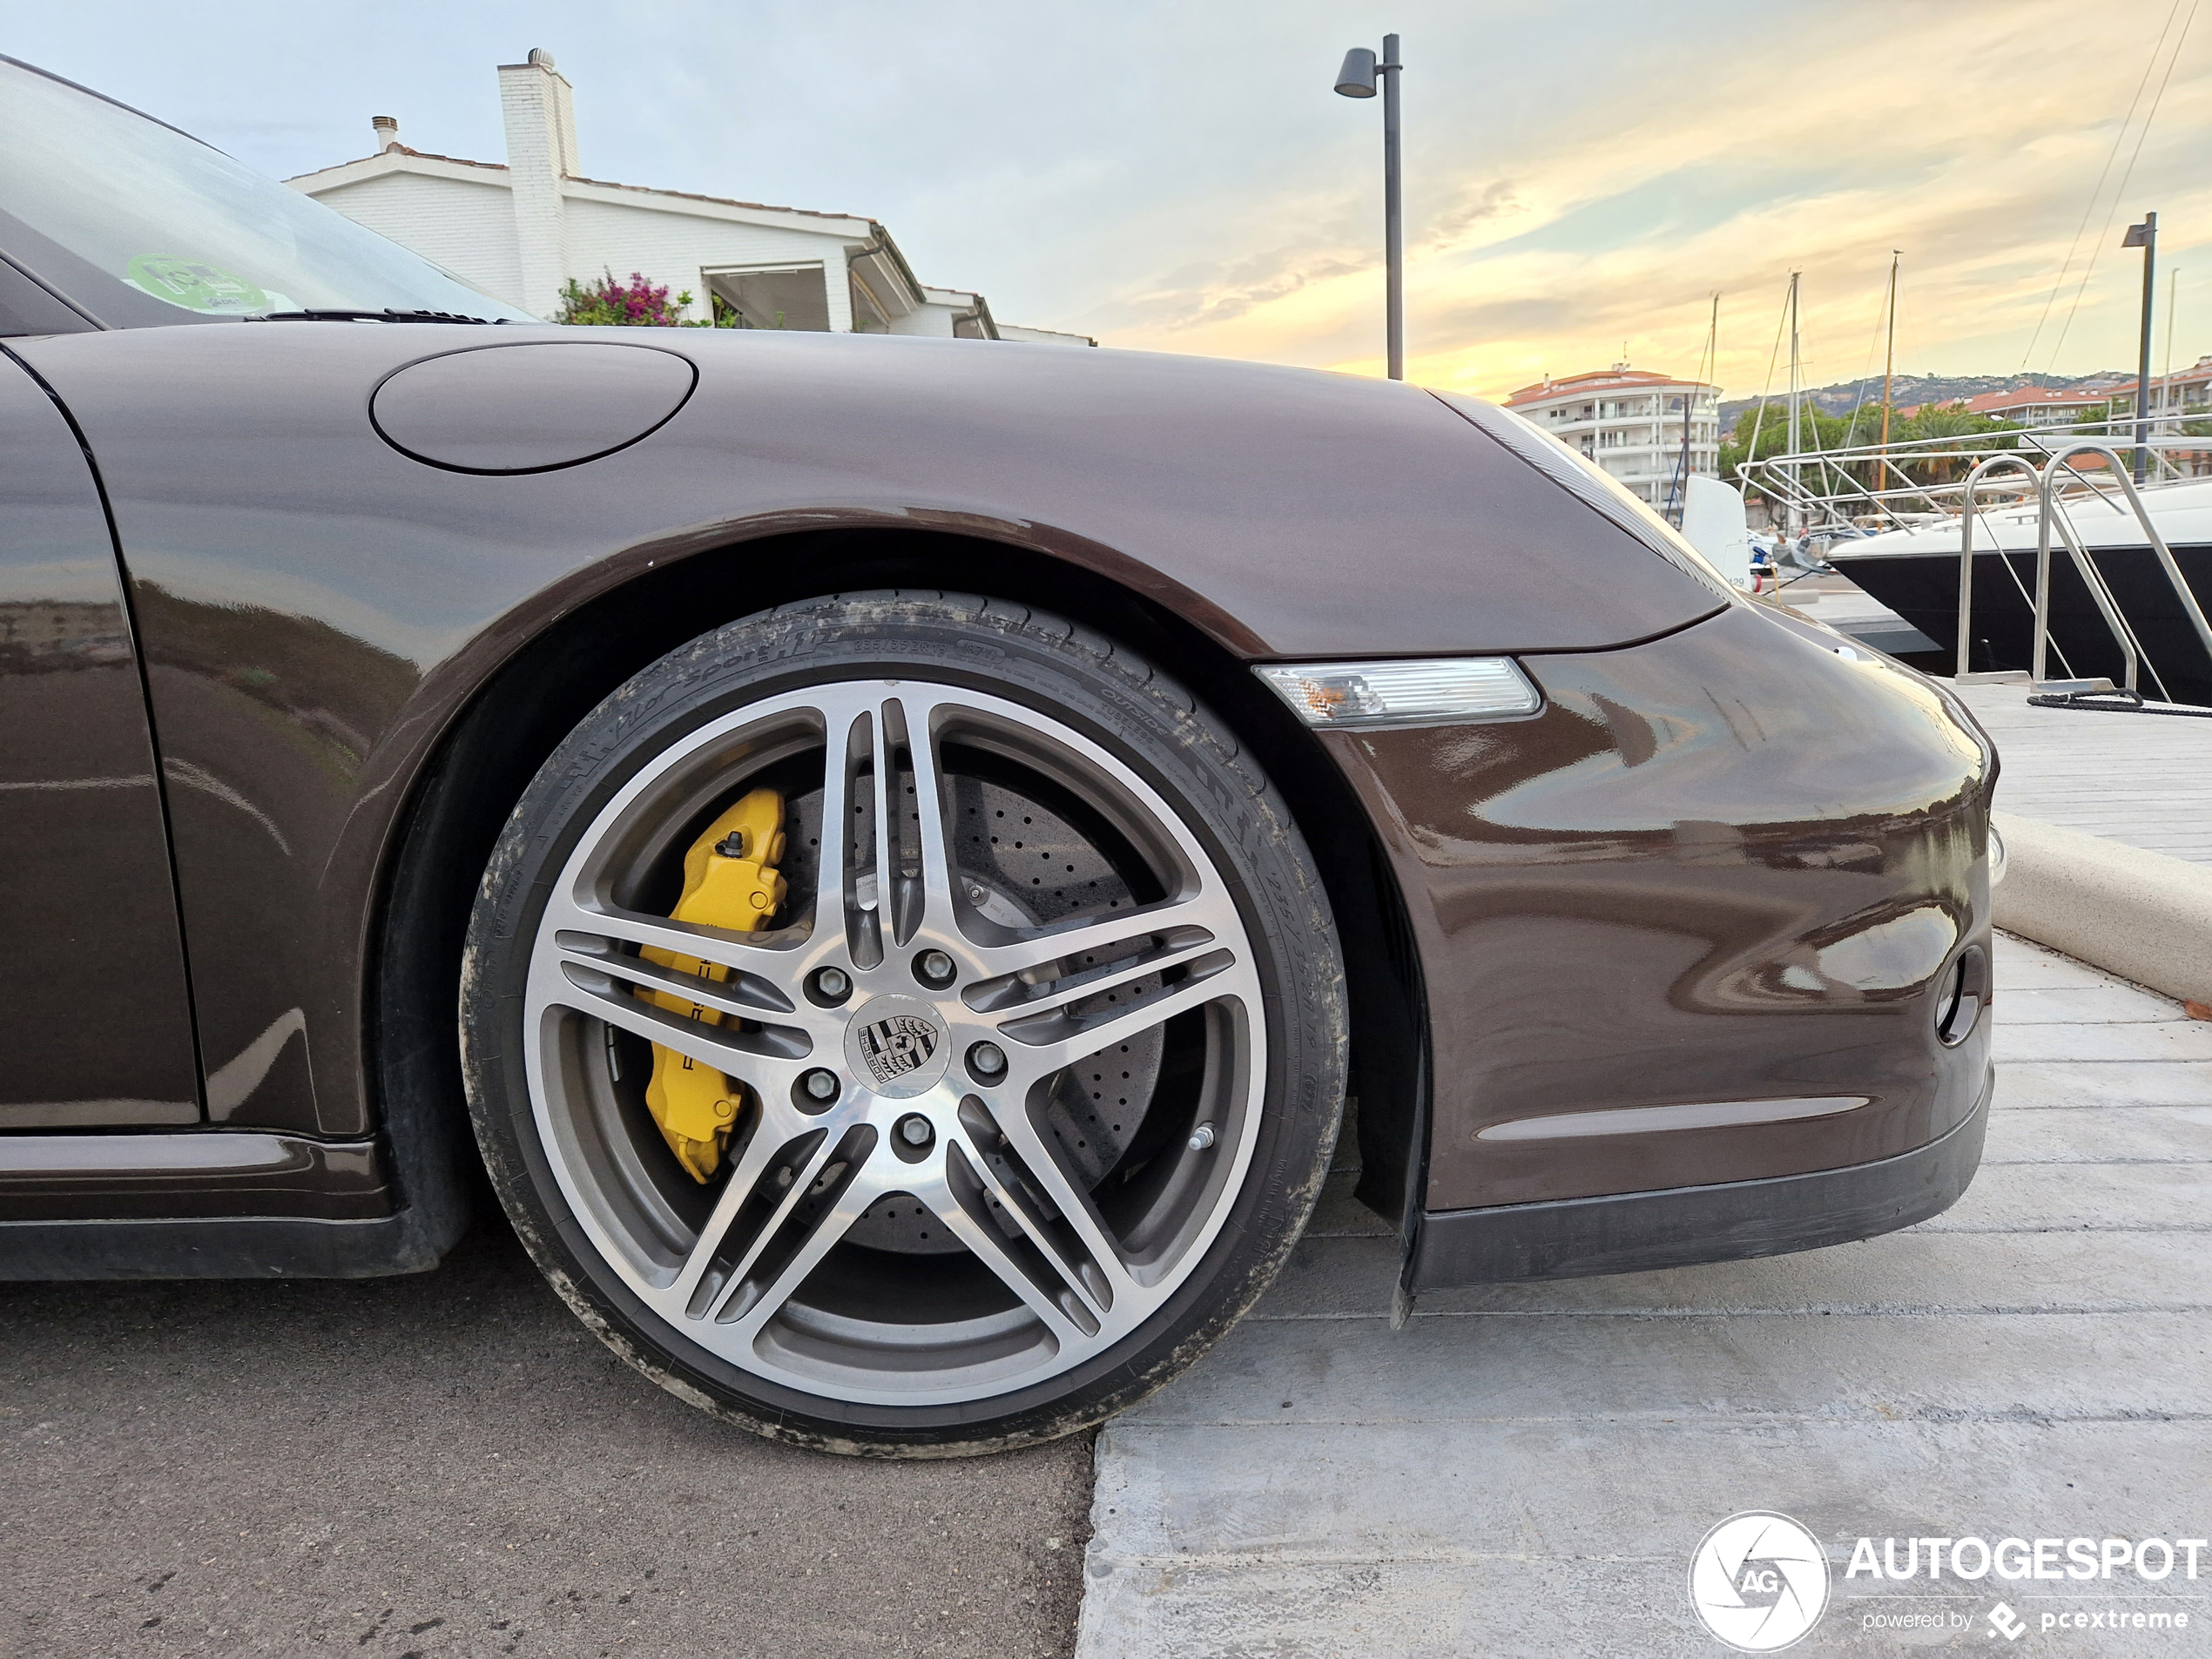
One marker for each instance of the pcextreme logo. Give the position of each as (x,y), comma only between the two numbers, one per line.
(1759,1581)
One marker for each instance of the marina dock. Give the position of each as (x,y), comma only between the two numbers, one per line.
(2144,780)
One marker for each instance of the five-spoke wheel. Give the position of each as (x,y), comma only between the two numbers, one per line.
(1029,1076)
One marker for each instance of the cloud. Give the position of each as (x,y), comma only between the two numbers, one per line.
(1175,174)
(1819,147)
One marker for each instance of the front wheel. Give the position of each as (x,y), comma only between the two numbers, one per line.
(904,1024)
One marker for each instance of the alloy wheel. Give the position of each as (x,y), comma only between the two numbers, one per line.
(1002,1047)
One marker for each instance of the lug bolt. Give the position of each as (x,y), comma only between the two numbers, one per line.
(914,1130)
(1201,1138)
(935,967)
(986,1060)
(831,984)
(819,1084)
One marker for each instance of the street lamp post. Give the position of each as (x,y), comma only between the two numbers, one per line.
(2144,236)
(1357,79)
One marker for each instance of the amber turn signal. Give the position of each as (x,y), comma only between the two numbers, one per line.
(1404,693)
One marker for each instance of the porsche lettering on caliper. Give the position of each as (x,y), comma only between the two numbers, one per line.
(730,882)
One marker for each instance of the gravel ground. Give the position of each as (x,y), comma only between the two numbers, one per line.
(450,1464)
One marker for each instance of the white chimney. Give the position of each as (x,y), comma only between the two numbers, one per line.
(387,129)
(539,106)
(541,95)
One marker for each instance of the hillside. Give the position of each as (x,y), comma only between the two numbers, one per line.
(1909,389)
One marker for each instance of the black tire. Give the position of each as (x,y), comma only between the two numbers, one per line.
(972,653)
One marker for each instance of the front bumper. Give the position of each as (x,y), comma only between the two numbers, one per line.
(1635,1231)
(1722,871)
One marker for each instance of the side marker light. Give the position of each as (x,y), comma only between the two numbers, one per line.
(1404,693)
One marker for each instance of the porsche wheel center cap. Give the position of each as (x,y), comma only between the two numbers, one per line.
(896,1046)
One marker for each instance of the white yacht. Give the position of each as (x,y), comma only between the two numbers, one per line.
(1914,572)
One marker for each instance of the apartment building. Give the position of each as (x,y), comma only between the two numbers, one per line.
(1629,421)
(2185,395)
(2038,406)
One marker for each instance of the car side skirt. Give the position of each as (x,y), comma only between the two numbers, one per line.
(198,1173)
(219,1204)
(1679,1226)
(221,1247)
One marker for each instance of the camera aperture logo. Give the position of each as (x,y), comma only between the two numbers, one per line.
(1759,1581)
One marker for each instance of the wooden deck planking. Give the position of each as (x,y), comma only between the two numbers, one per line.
(2145,780)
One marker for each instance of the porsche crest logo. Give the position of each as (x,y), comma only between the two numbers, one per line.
(897,1045)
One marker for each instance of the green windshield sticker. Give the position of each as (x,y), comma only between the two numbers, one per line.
(194,286)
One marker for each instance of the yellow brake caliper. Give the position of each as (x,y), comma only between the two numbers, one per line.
(730,882)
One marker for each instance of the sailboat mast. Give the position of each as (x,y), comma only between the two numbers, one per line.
(1797,512)
(2172,294)
(1889,356)
(1690,405)
(1889,373)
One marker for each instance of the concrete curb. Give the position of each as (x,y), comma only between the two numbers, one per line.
(2145,916)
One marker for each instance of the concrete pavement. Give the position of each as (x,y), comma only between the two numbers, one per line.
(1527,1469)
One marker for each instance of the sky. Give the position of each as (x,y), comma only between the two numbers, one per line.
(1580,179)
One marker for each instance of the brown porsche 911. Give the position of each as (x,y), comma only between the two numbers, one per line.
(894,854)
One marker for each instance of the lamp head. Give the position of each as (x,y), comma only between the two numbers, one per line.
(1356,77)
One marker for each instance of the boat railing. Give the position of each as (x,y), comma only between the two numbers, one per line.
(2053,511)
(1826,493)
(2050,512)
(1967,519)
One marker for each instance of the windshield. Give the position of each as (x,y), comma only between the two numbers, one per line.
(140,225)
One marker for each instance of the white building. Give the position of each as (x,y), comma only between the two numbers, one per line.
(2038,406)
(522,231)
(2184,394)
(1629,421)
